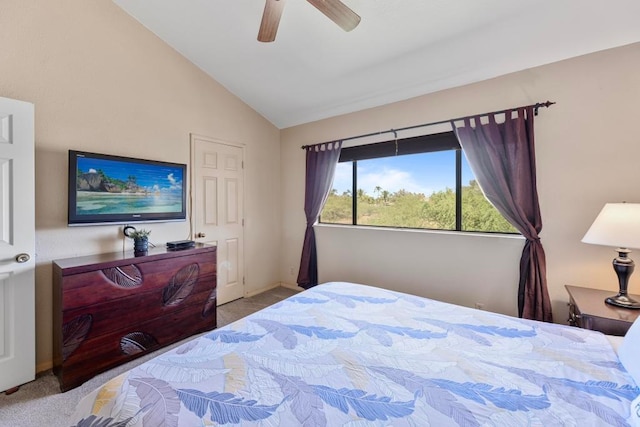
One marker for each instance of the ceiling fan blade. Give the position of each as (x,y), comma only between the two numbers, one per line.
(338,12)
(270,20)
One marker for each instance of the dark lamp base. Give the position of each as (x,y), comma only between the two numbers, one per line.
(623,266)
(623,301)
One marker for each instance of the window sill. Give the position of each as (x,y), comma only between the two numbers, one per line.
(422,231)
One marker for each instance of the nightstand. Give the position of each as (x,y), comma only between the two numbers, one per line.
(588,310)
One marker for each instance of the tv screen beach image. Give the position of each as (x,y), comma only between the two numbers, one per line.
(105,186)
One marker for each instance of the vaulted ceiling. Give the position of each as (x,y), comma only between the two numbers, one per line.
(400,49)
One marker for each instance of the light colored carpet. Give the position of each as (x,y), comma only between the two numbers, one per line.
(40,402)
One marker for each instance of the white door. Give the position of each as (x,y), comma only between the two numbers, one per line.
(217,180)
(17,244)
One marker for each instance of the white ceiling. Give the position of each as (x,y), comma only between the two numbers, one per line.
(401,49)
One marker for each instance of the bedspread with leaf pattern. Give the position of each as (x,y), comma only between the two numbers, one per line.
(343,354)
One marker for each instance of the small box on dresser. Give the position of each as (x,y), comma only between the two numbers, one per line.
(588,310)
(111,308)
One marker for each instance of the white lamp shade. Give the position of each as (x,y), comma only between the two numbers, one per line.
(618,225)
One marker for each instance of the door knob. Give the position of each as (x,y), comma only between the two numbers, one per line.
(201,234)
(22,258)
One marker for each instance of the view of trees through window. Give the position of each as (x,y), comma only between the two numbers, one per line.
(411,191)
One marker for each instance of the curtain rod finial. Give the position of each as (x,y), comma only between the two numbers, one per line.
(541,104)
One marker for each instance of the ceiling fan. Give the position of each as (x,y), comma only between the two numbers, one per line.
(335,10)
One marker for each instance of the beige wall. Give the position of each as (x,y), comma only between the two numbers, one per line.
(587,153)
(101,82)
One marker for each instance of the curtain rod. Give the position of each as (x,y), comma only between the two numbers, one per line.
(535,106)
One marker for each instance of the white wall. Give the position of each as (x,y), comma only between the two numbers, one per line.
(587,150)
(101,82)
(435,270)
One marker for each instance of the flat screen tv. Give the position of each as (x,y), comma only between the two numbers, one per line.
(106,189)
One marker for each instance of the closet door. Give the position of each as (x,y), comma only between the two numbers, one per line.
(217,170)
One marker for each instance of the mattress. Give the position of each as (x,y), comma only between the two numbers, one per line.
(344,354)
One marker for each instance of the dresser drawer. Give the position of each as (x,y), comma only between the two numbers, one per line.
(114,282)
(97,354)
(106,317)
(606,326)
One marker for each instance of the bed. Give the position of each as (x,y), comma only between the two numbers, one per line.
(344,354)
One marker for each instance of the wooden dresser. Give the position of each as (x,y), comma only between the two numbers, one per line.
(111,308)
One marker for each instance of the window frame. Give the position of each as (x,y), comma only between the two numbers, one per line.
(443,141)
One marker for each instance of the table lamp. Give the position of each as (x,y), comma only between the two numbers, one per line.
(618,225)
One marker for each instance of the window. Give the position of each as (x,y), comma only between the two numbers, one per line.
(412,183)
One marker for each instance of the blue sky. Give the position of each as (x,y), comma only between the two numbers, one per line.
(417,173)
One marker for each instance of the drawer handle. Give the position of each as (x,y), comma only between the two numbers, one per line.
(573,317)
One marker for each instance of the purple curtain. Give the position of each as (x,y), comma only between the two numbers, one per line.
(321,165)
(502,157)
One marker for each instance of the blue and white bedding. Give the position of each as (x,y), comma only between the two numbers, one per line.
(343,354)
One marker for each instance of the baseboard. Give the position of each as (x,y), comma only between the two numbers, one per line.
(290,286)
